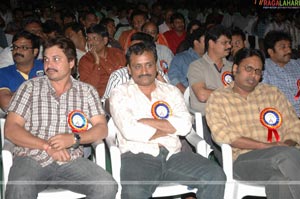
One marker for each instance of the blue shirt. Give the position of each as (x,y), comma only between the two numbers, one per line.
(285,78)
(179,66)
(11,78)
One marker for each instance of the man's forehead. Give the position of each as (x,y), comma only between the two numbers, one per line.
(146,55)
(33,25)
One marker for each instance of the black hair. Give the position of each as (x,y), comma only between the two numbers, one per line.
(98,29)
(106,20)
(214,33)
(65,44)
(140,48)
(273,37)
(141,36)
(248,52)
(35,41)
(51,26)
(138,13)
(196,35)
(76,27)
(175,16)
(238,32)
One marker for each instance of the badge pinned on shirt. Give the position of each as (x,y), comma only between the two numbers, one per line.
(272,119)
(39,73)
(298,93)
(77,120)
(161,110)
(164,66)
(227,78)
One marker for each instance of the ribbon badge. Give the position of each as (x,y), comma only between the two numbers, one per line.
(164,66)
(272,119)
(161,110)
(296,97)
(77,121)
(227,78)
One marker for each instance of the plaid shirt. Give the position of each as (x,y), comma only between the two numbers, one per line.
(230,116)
(46,114)
(285,78)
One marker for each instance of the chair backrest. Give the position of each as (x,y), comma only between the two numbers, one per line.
(186,96)
(2,122)
(115,154)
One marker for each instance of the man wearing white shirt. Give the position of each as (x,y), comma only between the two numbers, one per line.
(150,115)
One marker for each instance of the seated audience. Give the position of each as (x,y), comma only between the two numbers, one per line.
(257,120)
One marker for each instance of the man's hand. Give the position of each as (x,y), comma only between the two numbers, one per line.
(5,97)
(158,134)
(61,141)
(94,53)
(59,155)
(271,144)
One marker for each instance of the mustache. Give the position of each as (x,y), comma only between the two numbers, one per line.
(144,75)
(48,69)
(18,54)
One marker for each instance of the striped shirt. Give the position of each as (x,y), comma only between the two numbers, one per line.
(46,114)
(119,77)
(230,116)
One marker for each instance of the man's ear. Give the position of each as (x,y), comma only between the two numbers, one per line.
(129,69)
(35,52)
(270,52)
(72,63)
(234,69)
(105,40)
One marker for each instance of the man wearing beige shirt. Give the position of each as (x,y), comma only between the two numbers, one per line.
(150,115)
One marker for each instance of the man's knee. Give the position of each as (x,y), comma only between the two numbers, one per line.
(19,190)
(103,190)
(136,191)
(216,173)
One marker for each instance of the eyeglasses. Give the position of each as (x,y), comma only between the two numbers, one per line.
(24,48)
(224,43)
(250,69)
(94,38)
(236,43)
(152,32)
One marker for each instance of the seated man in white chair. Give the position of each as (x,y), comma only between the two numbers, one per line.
(261,125)
(149,116)
(47,121)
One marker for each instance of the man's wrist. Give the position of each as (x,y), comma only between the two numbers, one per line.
(46,147)
(76,141)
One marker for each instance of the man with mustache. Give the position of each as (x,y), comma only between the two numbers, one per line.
(25,48)
(210,72)
(281,70)
(100,61)
(177,34)
(257,120)
(150,115)
(48,121)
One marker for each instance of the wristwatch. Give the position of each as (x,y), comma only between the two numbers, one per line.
(77,141)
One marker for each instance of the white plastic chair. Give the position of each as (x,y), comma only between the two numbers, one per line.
(186,96)
(163,190)
(7,160)
(236,189)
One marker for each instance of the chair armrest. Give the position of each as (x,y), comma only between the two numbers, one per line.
(227,160)
(100,156)
(115,156)
(7,158)
(198,142)
(8,146)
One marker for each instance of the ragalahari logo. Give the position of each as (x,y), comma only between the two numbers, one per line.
(278,4)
